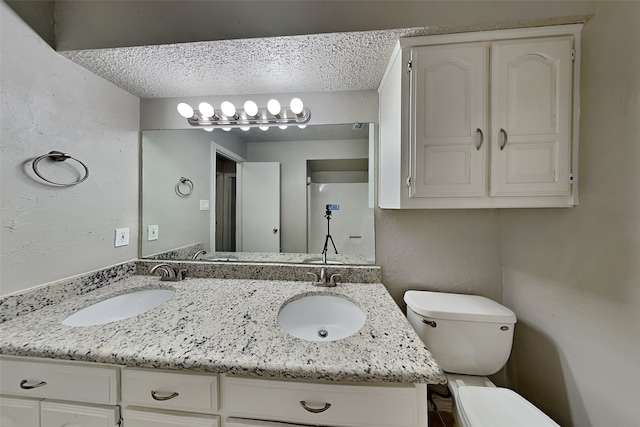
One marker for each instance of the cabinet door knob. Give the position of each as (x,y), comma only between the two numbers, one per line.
(315,410)
(505,137)
(159,397)
(25,386)
(479,131)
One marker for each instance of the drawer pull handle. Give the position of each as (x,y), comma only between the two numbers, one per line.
(505,137)
(25,386)
(155,396)
(315,410)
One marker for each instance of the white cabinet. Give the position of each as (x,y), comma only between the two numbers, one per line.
(481,120)
(51,393)
(359,405)
(143,417)
(19,412)
(157,398)
(63,414)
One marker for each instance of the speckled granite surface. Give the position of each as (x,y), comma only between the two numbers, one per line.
(12,306)
(267,271)
(226,325)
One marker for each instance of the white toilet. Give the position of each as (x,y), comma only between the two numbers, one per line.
(470,337)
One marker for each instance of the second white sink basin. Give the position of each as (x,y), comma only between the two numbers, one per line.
(119,307)
(321,317)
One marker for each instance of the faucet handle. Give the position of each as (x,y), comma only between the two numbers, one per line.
(315,277)
(335,278)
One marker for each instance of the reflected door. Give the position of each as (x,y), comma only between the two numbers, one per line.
(260,212)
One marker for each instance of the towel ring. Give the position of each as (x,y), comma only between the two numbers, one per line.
(59,156)
(188,183)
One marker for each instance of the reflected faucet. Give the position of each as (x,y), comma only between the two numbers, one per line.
(197,254)
(168,273)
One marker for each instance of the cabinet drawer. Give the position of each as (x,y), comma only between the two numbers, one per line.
(181,391)
(77,381)
(340,405)
(56,414)
(141,417)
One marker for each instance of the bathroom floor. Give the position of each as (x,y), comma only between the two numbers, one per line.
(440,419)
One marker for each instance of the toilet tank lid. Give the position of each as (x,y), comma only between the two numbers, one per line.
(447,306)
(499,407)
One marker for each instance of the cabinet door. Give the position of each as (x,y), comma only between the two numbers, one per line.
(531,117)
(449,120)
(140,417)
(239,422)
(19,412)
(59,414)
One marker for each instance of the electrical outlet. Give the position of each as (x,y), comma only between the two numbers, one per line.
(122,237)
(152,233)
(204,205)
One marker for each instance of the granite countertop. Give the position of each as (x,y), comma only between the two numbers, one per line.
(230,325)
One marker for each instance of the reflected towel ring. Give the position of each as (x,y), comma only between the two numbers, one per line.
(59,156)
(188,183)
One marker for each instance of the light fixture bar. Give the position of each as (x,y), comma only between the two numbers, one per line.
(297,114)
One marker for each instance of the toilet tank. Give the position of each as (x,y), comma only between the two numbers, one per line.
(466,334)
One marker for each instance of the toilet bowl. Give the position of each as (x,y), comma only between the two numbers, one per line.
(470,337)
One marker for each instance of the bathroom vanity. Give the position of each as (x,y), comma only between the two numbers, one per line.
(214,355)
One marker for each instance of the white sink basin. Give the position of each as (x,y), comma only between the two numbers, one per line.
(321,317)
(119,307)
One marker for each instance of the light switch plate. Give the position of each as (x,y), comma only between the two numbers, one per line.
(204,205)
(152,233)
(122,237)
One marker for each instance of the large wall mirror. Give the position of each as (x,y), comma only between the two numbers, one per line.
(280,195)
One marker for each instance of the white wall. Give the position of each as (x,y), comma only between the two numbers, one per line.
(293,156)
(49,103)
(167,158)
(354,218)
(573,276)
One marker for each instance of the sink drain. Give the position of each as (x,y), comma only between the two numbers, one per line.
(322,333)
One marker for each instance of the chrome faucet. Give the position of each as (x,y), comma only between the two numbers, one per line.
(324,279)
(197,254)
(168,273)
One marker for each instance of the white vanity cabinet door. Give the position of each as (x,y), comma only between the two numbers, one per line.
(449,120)
(180,391)
(335,405)
(141,417)
(75,381)
(238,422)
(19,412)
(531,117)
(61,414)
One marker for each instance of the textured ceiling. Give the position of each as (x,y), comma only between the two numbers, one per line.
(307,63)
(343,61)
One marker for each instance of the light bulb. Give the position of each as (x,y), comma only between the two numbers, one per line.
(208,129)
(282,127)
(302,126)
(264,127)
(251,108)
(228,109)
(185,110)
(297,107)
(273,106)
(244,128)
(226,128)
(206,109)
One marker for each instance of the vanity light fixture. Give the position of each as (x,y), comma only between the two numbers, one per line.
(228,116)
